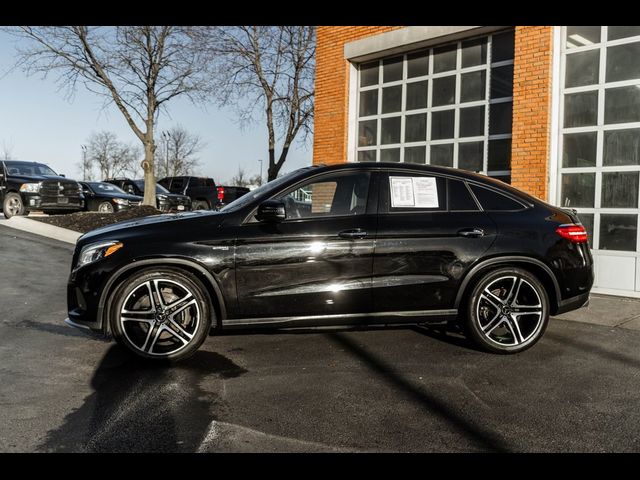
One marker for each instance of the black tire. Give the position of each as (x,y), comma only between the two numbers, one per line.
(13,205)
(200,205)
(167,343)
(507,312)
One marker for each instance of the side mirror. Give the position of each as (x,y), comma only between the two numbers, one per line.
(271,211)
(63,175)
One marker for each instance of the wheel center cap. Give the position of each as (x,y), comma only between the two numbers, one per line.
(160,317)
(506,309)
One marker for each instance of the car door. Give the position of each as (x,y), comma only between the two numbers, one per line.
(318,261)
(430,230)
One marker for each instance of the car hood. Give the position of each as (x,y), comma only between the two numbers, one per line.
(125,196)
(38,178)
(151,225)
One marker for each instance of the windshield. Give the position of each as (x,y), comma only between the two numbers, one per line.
(28,168)
(262,191)
(103,187)
(159,188)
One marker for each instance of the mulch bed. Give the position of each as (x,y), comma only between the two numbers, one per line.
(86,221)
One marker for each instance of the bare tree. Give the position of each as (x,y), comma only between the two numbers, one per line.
(138,68)
(112,157)
(7,150)
(240,179)
(256,180)
(177,152)
(269,69)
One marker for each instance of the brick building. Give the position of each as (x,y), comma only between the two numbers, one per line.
(554,111)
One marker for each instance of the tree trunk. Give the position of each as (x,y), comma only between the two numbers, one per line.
(149,176)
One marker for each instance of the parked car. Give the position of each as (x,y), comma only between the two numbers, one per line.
(105,197)
(166,201)
(376,243)
(201,190)
(26,186)
(228,194)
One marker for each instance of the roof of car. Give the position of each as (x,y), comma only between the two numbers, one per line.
(463,174)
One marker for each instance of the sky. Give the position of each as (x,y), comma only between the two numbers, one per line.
(38,123)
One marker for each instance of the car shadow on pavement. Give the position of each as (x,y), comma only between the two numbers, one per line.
(484,439)
(446,333)
(142,407)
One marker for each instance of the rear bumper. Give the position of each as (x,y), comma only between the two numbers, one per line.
(573,303)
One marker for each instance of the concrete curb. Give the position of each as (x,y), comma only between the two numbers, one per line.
(44,229)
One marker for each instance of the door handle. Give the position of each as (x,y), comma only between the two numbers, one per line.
(471,232)
(353,234)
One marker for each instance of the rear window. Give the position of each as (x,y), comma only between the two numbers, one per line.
(494,201)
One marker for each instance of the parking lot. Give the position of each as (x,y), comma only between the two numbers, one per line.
(402,389)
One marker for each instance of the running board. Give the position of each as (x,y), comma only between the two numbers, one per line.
(375,318)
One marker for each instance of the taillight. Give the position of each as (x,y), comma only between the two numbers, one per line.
(220,193)
(573,233)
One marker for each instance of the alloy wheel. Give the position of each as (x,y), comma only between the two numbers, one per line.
(160,317)
(509,311)
(14,205)
(105,207)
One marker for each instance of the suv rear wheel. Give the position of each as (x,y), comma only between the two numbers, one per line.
(508,311)
(13,205)
(161,314)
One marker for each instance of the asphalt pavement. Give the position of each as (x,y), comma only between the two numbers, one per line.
(398,390)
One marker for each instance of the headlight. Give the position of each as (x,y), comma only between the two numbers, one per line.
(120,201)
(95,251)
(30,187)
(162,197)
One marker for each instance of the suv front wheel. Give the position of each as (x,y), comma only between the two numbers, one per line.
(508,311)
(161,314)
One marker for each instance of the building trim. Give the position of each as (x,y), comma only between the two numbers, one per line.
(352,114)
(556,82)
(409,38)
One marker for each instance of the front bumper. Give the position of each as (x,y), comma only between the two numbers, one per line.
(97,335)
(44,203)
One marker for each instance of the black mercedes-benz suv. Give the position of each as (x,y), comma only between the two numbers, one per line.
(355,244)
(26,186)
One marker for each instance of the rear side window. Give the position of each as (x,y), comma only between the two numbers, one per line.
(460,199)
(494,201)
(415,193)
(208,182)
(196,182)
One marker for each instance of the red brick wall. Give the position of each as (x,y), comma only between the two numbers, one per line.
(532,109)
(332,89)
(531,100)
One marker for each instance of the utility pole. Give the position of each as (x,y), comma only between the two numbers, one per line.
(84,162)
(260,160)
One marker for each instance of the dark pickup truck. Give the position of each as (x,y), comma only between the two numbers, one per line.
(201,190)
(26,186)
(227,194)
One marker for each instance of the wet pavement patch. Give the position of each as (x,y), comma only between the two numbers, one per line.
(141,407)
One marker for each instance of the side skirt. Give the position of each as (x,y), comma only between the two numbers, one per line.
(352,319)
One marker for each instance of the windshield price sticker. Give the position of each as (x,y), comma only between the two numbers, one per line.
(416,192)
